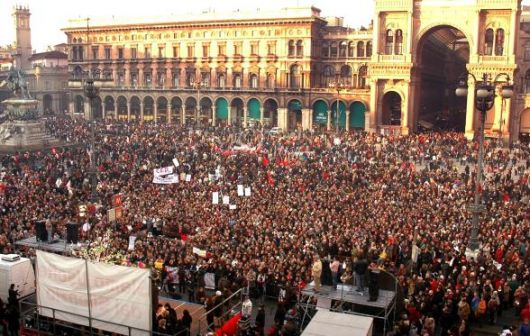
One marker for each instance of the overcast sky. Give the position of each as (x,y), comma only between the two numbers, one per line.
(49,16)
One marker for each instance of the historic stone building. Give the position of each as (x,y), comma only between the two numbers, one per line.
(291,67)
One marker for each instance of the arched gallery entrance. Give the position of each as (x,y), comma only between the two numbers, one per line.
(442,55)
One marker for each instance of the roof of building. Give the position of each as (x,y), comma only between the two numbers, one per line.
(204,17)
(48,55)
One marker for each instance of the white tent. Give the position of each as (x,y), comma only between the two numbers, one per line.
(339,324)
(19,272)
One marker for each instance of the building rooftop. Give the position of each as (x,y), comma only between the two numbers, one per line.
(48,55)
(205,17)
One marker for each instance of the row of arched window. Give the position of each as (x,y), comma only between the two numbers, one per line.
(494,42)
(394,42)
(329,76)
(343,49)
(295,48)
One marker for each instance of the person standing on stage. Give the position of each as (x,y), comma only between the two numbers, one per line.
(359,267)
(334,267)
(373,288)
(316,272)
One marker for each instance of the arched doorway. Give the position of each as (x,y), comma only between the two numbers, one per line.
(97,112)
(122,108)
(320,115)
(176,110)
(341,117)
(391,113)
(294,115)
(47,104)
(206,111)
(524,128)
(149,105)
(357,111)
(135,108)
(161,109)
(79,104)
(221,111)
(442,55)
(270,113)
(254,113)
(190,107)
(109,107)
(237,111)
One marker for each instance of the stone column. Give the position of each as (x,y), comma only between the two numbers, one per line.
(470,110)
(306,119)
(168,112)
(141,111)
(330,115)
(347,120)
(183,115)
(71,108)
(229,120)
(282,118)
(410,32)
(155,112)
(127,75)
(261,112)
(103,112)
(371,121)
(128,111)
(506,118)
(513,36)
(140,76)
(499,110)
(168,83)
(245,117)
(154,76)
(406,110)
(375,50)
(87,109)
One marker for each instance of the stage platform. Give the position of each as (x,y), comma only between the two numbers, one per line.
(348,294)
(345,299)
(57,245)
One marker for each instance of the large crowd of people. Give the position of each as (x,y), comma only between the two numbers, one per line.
(347,196)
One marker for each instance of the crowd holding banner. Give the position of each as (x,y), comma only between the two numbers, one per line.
(346,196)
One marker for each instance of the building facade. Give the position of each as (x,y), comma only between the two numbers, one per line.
(293,68)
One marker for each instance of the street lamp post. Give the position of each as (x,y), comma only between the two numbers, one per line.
(484,99)
(197,85)
(92,92)
(337,86)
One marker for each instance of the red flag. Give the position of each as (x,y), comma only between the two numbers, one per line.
(183,237)
(270,180)
(265,161)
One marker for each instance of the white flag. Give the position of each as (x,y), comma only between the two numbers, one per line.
(247,191)
(168,179)
(215,198)
(240,190)
(163,171)
(226,200)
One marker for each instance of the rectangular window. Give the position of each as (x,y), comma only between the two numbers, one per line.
(107,53)
(147,52)
(205,50)
(271,48)
(254,48)
(120,53)
(161,52)
(221,49)
(133,53)
(175,51)
(95,51)
(190,50)
(237,48)
(175,80)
